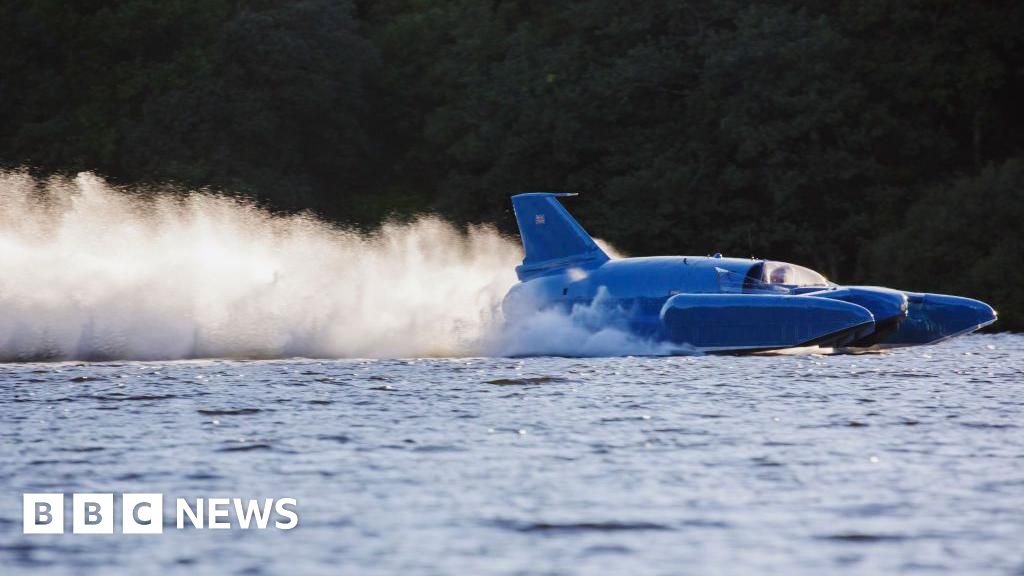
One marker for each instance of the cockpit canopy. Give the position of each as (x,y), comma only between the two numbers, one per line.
(772,277)
(785,274)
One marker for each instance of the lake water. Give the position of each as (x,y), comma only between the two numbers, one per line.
(909,461)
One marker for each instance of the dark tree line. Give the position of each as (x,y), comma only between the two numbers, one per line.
(875,140)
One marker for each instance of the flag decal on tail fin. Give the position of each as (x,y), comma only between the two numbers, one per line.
(538,219)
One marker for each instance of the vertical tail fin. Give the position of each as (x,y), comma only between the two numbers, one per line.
(551,236)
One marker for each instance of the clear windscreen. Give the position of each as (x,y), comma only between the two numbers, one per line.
(734,283)
(771,277)
(785,274)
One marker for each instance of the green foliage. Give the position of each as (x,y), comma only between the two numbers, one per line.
(264,100)
(962,238)
(875,140)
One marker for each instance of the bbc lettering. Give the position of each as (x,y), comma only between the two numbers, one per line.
(143,513)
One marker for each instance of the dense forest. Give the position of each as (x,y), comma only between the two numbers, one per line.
(879,141)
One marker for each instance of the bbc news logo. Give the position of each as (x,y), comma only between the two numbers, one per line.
(144,513)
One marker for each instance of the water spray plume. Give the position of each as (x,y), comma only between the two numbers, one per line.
(89,272)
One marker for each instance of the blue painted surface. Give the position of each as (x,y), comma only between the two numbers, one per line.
(714,303)
(730,322)
(551,237)
(937,317)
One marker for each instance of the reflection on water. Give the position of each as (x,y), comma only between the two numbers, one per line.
(906,461)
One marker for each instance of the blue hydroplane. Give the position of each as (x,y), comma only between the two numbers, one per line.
(717,304)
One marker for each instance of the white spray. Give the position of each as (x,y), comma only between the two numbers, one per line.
(88,271)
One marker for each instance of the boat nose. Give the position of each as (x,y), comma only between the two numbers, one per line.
(971,311)
(936,317)
(959,314)
(985,313)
